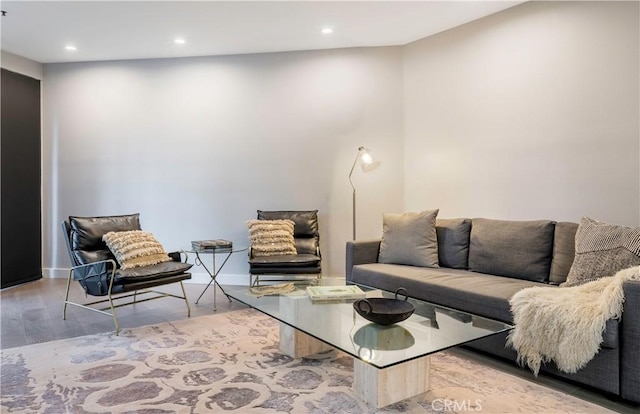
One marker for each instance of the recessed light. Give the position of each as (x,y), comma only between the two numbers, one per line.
(71,48)
(327,30)
(179,41)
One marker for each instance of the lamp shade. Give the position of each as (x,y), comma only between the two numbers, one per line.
(365,157)
(366,160)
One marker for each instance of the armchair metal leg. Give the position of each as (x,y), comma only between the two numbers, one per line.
(113,310)
(66,297)
(186,301)
(113,314)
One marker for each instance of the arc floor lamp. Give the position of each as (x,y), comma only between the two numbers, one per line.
(366,160)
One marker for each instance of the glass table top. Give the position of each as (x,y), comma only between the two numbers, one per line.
(234,249)
(431,328)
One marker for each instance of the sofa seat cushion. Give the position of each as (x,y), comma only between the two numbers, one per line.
(151,272)
(480,294)
(294,260)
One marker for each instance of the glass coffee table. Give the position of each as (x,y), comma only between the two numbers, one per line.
(391,363)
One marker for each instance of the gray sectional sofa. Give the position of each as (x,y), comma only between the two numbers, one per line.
(483,262)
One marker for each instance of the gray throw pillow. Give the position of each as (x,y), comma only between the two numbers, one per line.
(564,249)
(409,239)
(602,250)
(517,249)
(453,242)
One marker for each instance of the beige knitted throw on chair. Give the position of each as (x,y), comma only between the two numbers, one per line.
(565,325)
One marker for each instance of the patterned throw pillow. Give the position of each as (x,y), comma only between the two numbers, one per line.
(602,250)
(271,237)
(135,248)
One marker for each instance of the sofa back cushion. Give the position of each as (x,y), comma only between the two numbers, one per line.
(564,249)
(85,238)
(518,249)
(453,242)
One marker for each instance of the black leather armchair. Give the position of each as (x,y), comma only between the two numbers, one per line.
(95,268)
(302,265)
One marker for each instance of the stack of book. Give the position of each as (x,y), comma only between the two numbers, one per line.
(334,293)
(218,244)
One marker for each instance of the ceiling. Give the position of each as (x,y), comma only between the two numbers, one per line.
(113,30)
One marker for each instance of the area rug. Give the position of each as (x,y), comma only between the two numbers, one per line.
(231,362)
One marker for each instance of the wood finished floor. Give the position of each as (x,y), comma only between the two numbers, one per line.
(32,313)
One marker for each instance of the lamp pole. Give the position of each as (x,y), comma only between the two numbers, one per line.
(360,149)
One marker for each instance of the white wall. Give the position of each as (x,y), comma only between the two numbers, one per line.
(21,65)
(196,145)
(530,113)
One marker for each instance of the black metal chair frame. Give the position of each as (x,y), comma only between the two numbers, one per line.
(106,269)
(256,278)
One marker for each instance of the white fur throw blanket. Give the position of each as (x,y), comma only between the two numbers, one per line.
(565,325)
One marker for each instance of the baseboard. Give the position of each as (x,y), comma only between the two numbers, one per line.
(202,278)
(223,279)
(55,273)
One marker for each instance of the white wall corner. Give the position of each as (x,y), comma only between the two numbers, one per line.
(19,64)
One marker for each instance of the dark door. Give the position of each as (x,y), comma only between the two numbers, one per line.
(20,205)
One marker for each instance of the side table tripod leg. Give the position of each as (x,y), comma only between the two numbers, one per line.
(205,289)
(214,274)
(199,262)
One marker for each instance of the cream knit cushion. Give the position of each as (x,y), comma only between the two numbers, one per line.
(271,237)
(135,248)
(602,249)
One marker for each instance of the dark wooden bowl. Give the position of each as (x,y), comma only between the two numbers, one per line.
(385,311)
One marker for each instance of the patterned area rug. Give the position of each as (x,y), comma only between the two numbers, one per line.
(231,362)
